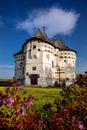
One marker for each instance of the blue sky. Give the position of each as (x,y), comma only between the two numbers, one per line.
(19,19)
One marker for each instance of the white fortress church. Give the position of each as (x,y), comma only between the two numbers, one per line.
(42,62)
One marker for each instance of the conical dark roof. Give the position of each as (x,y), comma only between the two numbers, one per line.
(41,35)
(38,34)
(61,45)
(18,53)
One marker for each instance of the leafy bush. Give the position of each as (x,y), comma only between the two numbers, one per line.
(19,113)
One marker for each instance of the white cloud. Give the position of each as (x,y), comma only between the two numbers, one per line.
(56,20)
(6,66)
(6,71)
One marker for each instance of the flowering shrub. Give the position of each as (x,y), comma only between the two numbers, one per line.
(69,113)
(15,111)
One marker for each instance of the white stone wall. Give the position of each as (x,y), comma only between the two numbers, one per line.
(47,60)
(68,63)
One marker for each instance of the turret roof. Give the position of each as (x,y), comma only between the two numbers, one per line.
(61,45)
(41,35)
(18,53)
(57,43)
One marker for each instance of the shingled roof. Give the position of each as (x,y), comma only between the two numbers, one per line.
(58,43)
(61,45)
(41,35)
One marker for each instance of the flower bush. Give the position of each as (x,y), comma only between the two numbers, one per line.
(69,113)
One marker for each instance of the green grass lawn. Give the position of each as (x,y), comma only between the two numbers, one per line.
(43,95)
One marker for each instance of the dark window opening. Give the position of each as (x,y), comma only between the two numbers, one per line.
(34,47)
(64,60)
(34,68)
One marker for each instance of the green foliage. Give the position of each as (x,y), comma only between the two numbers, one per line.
(18,111)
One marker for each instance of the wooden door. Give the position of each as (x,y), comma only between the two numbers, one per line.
(34,79)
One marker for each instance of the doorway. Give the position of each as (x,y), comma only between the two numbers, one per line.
(34,79)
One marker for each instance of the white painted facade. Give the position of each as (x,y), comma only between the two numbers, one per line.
(41,62)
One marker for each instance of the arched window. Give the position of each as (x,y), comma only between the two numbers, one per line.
(34,46)
(38,49)
(65,57)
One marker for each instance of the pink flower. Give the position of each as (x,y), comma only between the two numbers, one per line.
(40,122)
(21,111)
(20,87)
(10,101)
(64,110)
(28,103)
(76,89)
(73,118)
(80,125)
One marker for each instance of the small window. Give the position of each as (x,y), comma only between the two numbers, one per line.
(64,60)
(34,47)
(34,68)
(38,49)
